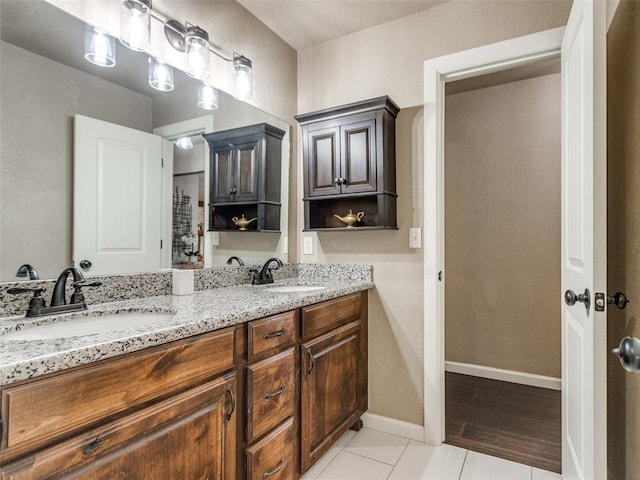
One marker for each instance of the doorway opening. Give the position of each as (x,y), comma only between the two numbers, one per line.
(502,256)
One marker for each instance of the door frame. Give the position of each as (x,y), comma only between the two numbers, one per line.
(503,55)
(193,126)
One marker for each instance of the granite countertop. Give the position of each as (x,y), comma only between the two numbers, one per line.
(194,314)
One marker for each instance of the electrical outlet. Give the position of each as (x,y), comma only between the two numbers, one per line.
(215,238)
(307,248)
(415,238)
(285,245)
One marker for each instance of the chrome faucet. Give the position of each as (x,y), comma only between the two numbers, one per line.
(237,259)
(27,270)
(37,305)
(265,275)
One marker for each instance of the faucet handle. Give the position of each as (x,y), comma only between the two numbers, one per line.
(36,302)
(77,296)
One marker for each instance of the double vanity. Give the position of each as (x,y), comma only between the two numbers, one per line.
(241,381)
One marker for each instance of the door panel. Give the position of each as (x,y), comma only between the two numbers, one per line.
(324,162)
(358,166)
(222,174)
(246,172)
(117,197)
(583,252)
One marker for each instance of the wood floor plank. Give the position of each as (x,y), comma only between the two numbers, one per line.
(511,421)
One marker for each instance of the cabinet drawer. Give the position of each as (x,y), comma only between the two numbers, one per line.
(270,393)
(136,446)
(271,334)
(325,316)
(38,412)
(272,457)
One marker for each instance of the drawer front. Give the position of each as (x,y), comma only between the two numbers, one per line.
(271,334)
(272,457)
(270,393)
(323,317)
(37,412)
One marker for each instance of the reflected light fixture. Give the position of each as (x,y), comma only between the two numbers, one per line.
(99,47)
(135,16)
(197,48)
(243,85)
(184,143)
(207,97)
(160,75)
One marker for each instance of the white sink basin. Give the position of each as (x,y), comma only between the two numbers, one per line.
(80,326)
(294,288)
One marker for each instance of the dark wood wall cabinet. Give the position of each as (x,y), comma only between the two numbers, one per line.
(245,178)
(263,399)
(349,157)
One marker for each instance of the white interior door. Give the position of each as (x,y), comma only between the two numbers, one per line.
(117,194)
(584,413)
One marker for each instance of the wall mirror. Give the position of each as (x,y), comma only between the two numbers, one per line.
(45,82)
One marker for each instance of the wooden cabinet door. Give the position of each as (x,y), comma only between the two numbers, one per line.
(332,374)
(246,172)
(234,172)
(358,157)
(222,174)
(188,437)
(323,166)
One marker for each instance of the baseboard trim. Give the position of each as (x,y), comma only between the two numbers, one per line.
(522,378)
(393,426)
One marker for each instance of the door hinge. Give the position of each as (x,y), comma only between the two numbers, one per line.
(160,244)
(161,162)
(440,276)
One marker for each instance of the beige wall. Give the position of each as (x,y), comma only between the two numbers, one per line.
(623,105)
(502,234)
(388,60)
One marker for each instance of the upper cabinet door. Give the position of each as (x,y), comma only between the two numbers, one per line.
(246,173)
(222,182)
(323,174)
(358,158)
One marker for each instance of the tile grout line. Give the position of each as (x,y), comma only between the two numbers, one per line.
(463,464)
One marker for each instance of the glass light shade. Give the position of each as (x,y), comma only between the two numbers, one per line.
(207,97)
(197,49)
(135,24)
(185,143)
(243,86)
(99,48)
(160,75)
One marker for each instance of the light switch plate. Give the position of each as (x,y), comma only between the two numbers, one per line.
(415,237)
(307,247)
(215,238)
(285,245)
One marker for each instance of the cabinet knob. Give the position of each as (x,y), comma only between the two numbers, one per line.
(233,191)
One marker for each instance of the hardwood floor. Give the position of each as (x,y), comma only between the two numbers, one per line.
(507,420)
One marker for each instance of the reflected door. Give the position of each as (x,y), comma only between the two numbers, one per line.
(117,204)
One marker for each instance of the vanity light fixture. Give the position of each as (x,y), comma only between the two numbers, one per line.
(99,47)
(197,49)
(184,143)
(243,87)
(135,16)
(207,97)
(160,75)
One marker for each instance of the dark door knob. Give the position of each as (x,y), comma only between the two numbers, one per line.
(629,354)
(620,300)
(85,264)
(570,298)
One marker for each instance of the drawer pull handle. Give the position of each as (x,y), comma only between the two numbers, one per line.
(229,391)
(90,448)
(280,391)
(275,470)
(311,359)
(279,333)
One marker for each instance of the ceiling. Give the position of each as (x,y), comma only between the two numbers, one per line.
(303,23)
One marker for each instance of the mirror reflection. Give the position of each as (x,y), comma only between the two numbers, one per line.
(45,84)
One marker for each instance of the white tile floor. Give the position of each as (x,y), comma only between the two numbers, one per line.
(373,455)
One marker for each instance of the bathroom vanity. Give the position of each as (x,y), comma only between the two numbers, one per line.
(260,390)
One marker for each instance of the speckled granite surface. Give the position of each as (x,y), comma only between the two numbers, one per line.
(201,312)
